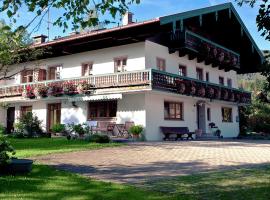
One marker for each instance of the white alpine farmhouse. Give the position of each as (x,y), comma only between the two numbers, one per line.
(177,71)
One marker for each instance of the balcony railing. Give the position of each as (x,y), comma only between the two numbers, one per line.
(65,86)
(211,52)
(157,79)
(193,87)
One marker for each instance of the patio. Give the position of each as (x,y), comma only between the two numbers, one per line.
(139,163)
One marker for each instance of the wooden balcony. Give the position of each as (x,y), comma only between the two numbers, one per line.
(152,79)
(193,87)
(187,42)
(116,80)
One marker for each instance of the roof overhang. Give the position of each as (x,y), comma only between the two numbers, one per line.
(215,11)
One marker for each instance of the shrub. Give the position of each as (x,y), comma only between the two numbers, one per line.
(79,129)
(58,128)
(96,138)
(6,151)
(29,125)
(136,130)
(2,130)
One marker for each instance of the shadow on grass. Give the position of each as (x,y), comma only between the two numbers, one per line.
(47,183)
(241,184)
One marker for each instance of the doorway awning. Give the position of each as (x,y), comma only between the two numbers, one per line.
(97,98)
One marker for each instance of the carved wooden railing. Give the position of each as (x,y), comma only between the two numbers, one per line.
(210,51)
(193,87)
(98,81)
(157,79)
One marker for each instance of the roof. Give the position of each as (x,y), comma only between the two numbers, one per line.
(94,33)
(198,12)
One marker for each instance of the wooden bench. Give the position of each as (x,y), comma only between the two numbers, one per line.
(178,131)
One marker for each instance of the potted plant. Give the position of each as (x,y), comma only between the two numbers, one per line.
(56,90)
(70,88)
(85,88)
(180,85)
(192,88)
(211,92)
(201,91)
(42,91)
(28,92)
(136,131)
(58,129)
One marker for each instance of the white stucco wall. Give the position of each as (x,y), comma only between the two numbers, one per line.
(3,117)
(71,114)
(102,59)
(155,115)
(132,108)
(153,50)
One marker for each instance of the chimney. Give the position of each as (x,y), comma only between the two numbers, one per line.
(127,18)
(39,39)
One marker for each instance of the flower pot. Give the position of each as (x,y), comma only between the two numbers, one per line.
(17,166)
(135,136)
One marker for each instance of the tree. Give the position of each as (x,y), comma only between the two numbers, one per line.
(80,13)
(263,24)
(15,48)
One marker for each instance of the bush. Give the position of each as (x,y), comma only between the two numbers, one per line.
(2,130)
(6,151)
(29,126)
(58,128)
(136,130)
(96,138)
(79,129)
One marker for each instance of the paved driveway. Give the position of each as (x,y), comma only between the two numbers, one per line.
(140,162)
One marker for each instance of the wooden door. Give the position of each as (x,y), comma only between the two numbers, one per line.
(10,119)
(54,115)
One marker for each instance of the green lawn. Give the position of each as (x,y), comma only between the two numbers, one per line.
(47,183)
(43,146)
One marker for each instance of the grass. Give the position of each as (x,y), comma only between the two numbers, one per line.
(47,183)
(43,146)
(241,184)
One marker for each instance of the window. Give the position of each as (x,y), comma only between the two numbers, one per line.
(161,64)
(221,80)
(42,73)
(207,76)
(199,74)
(226,114)
(27,76)
(208,114)
(25,110)
(104,109)
(54,72)
(229,82)
(120,64)
(173,111)
(182,70)
(87,69)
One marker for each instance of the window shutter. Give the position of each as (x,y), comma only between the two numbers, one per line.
(23,76)
(42,75)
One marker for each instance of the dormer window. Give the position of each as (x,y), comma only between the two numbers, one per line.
(87,69)
(120,64)
(27,76)
(161,64)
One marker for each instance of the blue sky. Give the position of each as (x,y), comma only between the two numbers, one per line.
(149,9)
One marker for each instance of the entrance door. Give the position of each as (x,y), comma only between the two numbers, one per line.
(10,119)
(201,117)
(54,115)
